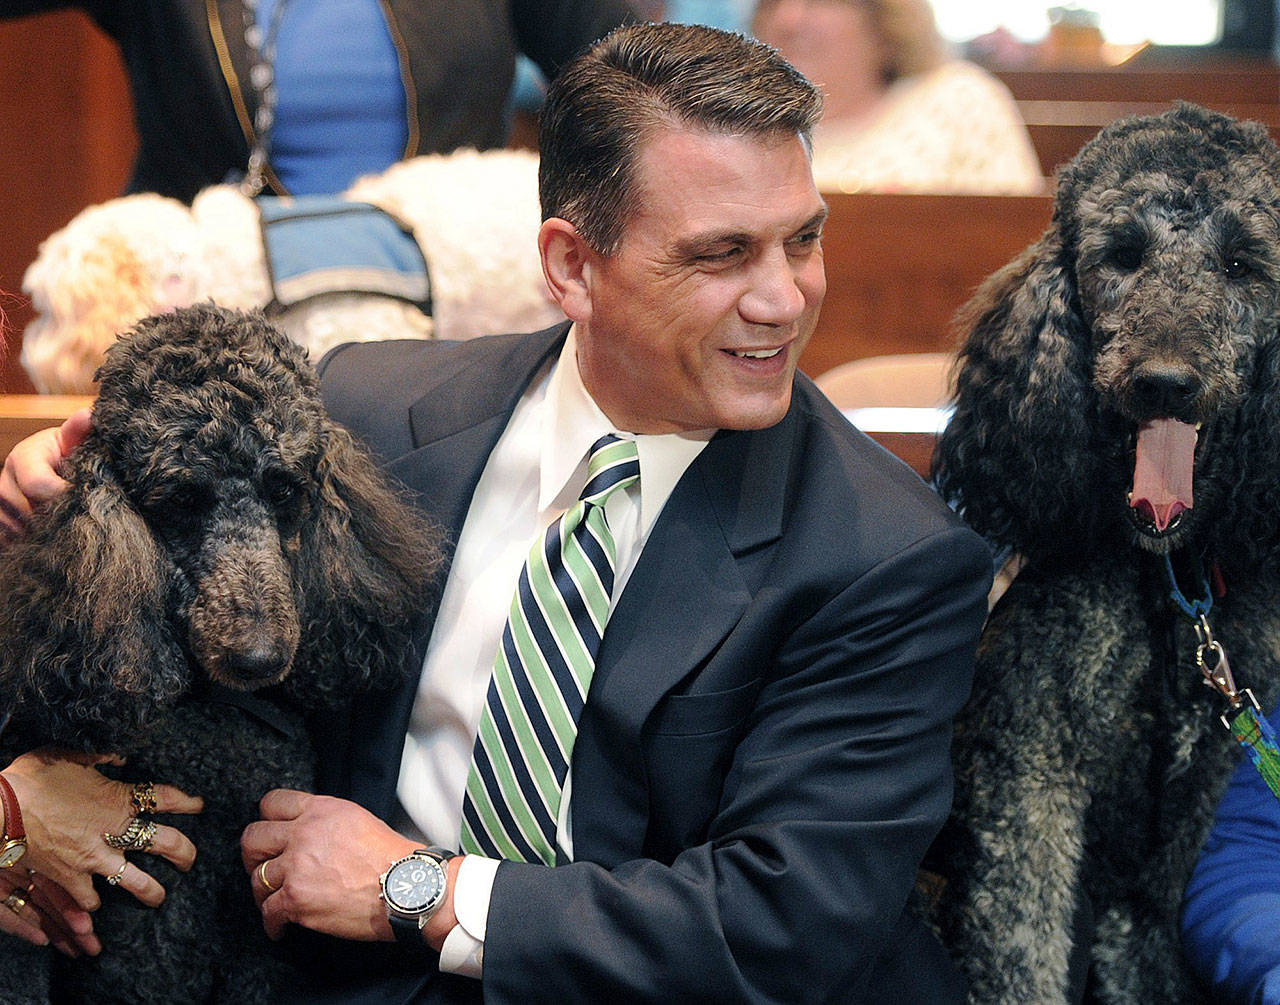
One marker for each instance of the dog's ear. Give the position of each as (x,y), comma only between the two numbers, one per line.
(86,653)
(1245,532)
(368,567)
(1015,458)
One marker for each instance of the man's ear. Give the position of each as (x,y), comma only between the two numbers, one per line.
(567,263)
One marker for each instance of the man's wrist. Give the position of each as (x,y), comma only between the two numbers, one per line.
(440,924)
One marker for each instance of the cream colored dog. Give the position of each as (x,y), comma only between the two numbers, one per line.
(475,216)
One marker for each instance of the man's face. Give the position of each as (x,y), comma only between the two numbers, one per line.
(698,320)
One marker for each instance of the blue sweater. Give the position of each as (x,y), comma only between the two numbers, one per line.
(1231,915)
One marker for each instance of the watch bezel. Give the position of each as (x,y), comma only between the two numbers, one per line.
(435,861)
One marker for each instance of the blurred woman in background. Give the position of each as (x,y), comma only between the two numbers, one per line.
(901,114)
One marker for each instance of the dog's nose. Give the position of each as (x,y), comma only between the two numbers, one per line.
(258,663)
(1165,389)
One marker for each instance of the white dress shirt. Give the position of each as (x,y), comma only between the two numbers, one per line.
(535,472)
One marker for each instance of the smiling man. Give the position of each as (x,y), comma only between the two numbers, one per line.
(701,753)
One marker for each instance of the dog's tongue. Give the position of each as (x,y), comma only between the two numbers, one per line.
(1162,473)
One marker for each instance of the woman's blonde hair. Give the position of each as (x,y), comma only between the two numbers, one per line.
(911,39)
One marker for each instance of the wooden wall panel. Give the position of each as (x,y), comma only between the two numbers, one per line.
(69,142)
(899,266)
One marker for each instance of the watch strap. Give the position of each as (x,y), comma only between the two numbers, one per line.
(13,829)
(408,931)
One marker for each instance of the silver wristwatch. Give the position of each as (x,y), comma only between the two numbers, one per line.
(413,888)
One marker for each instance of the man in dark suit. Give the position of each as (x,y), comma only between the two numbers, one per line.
(762,755)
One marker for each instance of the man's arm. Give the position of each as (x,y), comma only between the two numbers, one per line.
(833,794)
(1232,909)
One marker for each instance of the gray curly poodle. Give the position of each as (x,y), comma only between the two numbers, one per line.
(226,561)
(1117,424)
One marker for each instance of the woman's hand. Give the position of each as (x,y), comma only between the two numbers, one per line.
(30,476)
(68,806)
(35,908)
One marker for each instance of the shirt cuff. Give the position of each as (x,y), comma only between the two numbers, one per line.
(463,949)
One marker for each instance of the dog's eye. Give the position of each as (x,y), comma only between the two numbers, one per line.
(281,491)
(1235,268)
(1126,257)
(188,500)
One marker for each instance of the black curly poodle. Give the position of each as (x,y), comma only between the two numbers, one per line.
(1117,424)
(226,560)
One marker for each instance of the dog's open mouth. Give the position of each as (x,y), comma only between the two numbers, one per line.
(1163,472)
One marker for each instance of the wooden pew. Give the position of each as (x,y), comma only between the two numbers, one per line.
(1060,128)
(898,267)
(1151,77)
(22,414)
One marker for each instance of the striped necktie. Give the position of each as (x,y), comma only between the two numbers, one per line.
(543,671)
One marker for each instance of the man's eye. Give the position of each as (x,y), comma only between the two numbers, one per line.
(805,242)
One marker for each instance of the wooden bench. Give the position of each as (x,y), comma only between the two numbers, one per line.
(899,266)
(23,414)
(1059,129)
(1207,79)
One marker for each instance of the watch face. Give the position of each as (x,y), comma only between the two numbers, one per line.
(11,852)
(414,885)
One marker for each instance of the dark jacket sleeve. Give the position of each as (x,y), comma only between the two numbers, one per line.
(834,793)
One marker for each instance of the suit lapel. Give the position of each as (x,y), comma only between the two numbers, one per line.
(456,423)
(687,593)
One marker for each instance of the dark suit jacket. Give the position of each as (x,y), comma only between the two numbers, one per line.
(763,757)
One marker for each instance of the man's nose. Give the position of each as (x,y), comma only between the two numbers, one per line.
(776,295)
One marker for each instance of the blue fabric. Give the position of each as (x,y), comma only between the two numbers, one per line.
(341,106)
(1231,916)
(326,244)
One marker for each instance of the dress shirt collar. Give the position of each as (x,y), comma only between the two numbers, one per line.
(573,422)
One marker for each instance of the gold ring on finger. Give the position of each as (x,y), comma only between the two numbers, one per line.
(115,878)
(15,902)
(143,796)
(262,875)
(137,836)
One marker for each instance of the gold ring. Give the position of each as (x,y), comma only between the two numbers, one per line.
(15,902)
(262,875)
(143,796)
(137,836)
(115,878)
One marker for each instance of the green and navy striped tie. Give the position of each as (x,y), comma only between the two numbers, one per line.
(543,671)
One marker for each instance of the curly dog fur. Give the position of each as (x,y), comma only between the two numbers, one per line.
(1090,757)
(225,560)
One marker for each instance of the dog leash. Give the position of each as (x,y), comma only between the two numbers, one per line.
(1243,718)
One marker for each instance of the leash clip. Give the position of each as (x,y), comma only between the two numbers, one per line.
(1211,658)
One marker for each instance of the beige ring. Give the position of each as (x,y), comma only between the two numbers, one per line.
(15,902)
(143,796)
(262,875)
(115,878)
(137,836)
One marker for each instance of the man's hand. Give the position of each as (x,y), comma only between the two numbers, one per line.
(323,860)
(30,475)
